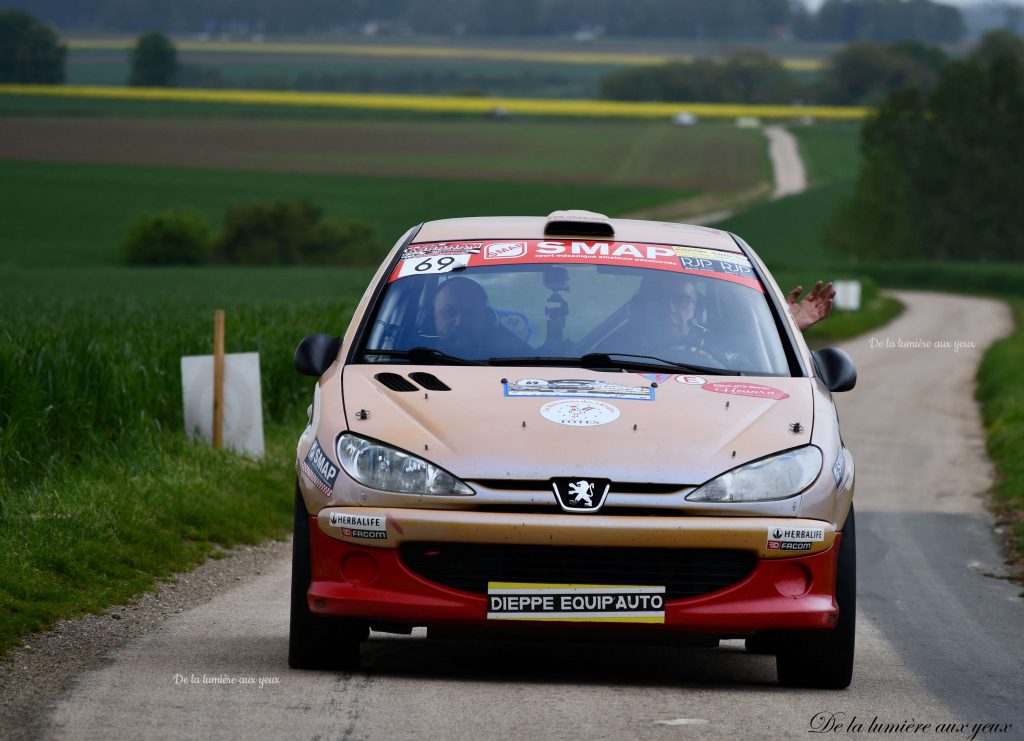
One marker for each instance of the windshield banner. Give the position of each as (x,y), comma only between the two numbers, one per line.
(442,257)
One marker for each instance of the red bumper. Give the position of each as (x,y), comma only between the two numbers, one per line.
(372,583)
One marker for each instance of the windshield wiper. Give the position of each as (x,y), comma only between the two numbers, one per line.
(649,362)
(611,361)
(423,356)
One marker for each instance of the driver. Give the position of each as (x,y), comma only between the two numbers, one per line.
(661,318)
(468,328)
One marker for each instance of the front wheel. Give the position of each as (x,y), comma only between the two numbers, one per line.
(316,641)
(824,659)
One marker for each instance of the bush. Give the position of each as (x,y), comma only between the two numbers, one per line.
(175,237)
(290,233)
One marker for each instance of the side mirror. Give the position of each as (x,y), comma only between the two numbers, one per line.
(835,368)
(315,354)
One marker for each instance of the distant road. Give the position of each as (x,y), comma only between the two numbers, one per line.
(938,642)
(787,166)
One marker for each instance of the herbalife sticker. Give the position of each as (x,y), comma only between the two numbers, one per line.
(785,538)
(368,527)
(577,387)
(319,468)
(576,602)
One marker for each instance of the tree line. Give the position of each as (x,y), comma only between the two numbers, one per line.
(835,20)
(941,178)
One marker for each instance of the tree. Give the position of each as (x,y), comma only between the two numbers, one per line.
(940,179)
(863,73)
(885,20)
(154,61)
(998,43)
(29,50)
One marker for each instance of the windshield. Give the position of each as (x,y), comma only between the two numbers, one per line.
(523,302)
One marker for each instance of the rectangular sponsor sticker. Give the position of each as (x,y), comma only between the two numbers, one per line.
(319,468)
(591,603)
(366,527)
(794,539)
(577,388)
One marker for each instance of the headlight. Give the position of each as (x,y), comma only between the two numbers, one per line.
(777,477)
(379,466)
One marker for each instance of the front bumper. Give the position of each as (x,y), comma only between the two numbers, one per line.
(358,570)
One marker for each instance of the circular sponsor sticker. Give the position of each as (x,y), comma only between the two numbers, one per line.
(579,412)
(692,380)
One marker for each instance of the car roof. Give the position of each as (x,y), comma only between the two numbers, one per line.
(532,227)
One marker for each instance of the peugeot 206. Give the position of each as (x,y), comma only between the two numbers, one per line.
(578,427)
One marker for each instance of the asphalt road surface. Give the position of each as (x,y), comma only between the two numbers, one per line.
(938,641)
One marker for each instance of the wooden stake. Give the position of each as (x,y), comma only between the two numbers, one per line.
(218,378)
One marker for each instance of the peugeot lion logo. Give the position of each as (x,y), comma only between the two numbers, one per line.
(580,495)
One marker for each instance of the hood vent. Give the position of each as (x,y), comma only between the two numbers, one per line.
(395,382)
(429,381)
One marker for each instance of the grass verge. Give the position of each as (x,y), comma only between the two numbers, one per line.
(86,537)
(1001,395)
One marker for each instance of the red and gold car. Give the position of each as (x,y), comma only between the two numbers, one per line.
(576,426)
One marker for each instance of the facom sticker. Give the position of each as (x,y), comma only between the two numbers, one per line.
(319,468)
(366,527)
(692,380)
(755,390)
(785,538)
(579,413)
(577,387)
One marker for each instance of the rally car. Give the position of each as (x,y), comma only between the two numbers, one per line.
(579,427)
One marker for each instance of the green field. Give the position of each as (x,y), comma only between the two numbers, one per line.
(56,214)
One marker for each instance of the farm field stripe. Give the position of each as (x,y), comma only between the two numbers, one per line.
(423,52)
(439,103)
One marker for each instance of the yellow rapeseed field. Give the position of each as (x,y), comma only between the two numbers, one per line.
(423,52)
(440,103)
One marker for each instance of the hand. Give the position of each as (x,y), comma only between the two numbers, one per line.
(815,306)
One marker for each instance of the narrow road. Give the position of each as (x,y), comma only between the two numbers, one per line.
(788,171)
(938,642)
(789,177)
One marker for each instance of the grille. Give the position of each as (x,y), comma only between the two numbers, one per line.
(395,382)
(618,487)
(429,381)
(683,572)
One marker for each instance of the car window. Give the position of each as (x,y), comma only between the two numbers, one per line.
(553,309)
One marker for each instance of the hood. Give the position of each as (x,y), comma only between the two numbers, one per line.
(539,423)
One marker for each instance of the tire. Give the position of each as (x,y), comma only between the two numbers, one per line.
(824,659)
(316,641)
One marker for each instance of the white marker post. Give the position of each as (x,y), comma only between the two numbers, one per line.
(222,398)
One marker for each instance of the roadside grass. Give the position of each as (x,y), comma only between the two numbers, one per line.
(82,538)
(831,152)
(56,214)
(1001,394)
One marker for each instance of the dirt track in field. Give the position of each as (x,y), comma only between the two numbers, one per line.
(654,154)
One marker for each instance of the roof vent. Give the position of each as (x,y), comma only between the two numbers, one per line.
(429,381)
(395,382)
(578,223)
